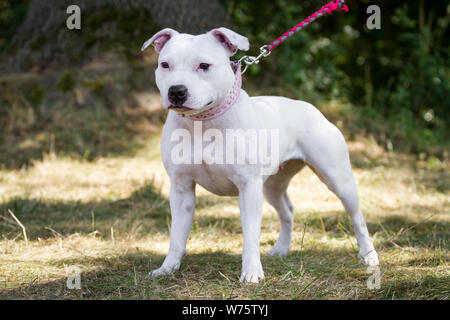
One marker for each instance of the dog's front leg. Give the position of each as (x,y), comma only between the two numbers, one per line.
(250,204)
(182,205)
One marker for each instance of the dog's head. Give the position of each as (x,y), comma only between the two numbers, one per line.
(194,72)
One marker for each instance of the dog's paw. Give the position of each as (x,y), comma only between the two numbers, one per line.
(278,251)
(252,274)
(164,270)
(369,259)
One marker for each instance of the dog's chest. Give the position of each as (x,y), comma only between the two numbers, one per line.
(206,154)
(214,179)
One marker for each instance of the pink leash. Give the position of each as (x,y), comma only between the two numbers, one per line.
(232,96)
(267,49)
(326,9)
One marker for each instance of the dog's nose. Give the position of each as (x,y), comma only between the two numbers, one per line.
(178,95)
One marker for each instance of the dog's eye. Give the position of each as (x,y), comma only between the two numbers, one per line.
(164,65)
(204,66)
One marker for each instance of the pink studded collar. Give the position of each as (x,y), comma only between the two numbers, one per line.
(231,98)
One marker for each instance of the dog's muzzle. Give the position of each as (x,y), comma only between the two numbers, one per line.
(214,112)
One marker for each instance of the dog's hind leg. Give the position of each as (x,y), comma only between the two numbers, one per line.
(330,161)
(275,193)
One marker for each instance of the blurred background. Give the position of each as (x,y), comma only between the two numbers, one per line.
(91,92)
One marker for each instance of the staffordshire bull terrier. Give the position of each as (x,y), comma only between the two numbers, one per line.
(198,84)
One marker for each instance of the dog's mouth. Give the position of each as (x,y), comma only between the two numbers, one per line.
(180,108)
(184,109)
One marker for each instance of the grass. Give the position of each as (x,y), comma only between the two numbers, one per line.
(110,217)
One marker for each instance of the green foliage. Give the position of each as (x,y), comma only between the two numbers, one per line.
(96,85)
(399,73)
(11,15)
(37,94)
(65,82)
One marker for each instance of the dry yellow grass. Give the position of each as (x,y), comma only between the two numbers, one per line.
(110,218)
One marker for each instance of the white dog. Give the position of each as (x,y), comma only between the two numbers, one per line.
(197,83)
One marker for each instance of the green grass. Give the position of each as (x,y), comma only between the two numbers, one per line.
(110,217)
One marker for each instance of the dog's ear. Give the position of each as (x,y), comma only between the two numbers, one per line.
(159,39)
(231,40)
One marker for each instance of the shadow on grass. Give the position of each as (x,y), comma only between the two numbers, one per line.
(400,231)
(203,275)
(308,274)
(392,231)
(147,211)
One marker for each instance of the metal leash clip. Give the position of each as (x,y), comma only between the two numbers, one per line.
(249,60)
